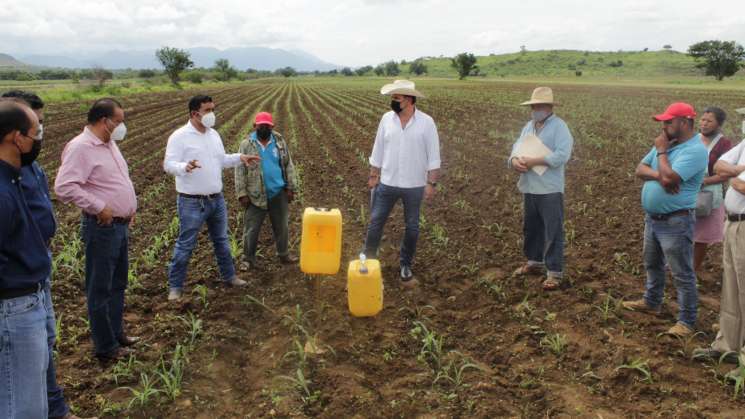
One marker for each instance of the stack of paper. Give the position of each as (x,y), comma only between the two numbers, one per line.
(532,146)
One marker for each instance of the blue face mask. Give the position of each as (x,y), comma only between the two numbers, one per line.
(539,116)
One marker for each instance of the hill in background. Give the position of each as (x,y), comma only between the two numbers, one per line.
(7,61)
(565,63)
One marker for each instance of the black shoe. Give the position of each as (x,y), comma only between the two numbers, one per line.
(288,260)
(115,355)
(127,341)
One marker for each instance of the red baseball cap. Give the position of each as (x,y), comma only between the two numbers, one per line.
(676,110)
(263,118)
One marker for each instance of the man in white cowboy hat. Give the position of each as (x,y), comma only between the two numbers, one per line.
(404,164)
(729,344)
(543,191)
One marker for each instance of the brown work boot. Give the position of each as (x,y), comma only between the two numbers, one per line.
(288,260)
(680,330)
(528,269)
(640,306)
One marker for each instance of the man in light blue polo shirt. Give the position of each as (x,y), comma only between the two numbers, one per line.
(672,172)
(543,220)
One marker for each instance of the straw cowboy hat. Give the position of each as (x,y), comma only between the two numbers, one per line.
(741,111)
(401,87)
(541,95)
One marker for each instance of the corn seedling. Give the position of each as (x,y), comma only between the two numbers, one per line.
(143,395)
(556,343)
(609,307)
(302,384)
(250,299)
(124,370)
(201,292)
(737,376)
(194,324)
(642,367)
(454,373)
(172,376)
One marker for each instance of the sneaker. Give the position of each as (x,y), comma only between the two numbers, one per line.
(407,277)
(174,294)
(680,330)
(236,282)
(711,354)
(641,306)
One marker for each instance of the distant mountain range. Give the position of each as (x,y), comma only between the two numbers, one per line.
(8,61)
(258,58)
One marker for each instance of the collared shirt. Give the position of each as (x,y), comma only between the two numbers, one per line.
(94,175)
(36,191)
(556,136)
(187,144)
(689,161)
(274,181)
(405,155)
(24,260)
(734,202)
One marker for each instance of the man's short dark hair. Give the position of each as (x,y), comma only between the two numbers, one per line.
(196,102)
(103,108)
(12,118)
(33,100)
(718,113)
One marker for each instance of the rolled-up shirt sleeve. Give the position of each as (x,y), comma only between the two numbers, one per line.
(433,147)
(73,173)
(376,157)
(733,155)
(565,141)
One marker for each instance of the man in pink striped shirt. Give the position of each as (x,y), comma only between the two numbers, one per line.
(95,178)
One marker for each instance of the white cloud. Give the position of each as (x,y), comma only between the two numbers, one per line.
(359,32)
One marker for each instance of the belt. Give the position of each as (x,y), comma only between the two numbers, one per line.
(663,217)
(114,220)
(10,293)
(736,217)
(213,196)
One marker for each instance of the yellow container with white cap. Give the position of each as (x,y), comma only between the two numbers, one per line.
(320,243)
(364,287)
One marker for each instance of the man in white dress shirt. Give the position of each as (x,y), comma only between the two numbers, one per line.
(196,157)
(404,164)
(729,344)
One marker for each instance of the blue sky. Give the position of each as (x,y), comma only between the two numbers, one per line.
(359,32)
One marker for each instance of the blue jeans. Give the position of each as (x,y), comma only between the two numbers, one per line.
(543,229)
(193,213)
(671,241)
(382,202)
(55,396)
(106,275)
(23,357)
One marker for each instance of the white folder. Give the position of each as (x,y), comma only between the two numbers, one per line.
(532,146)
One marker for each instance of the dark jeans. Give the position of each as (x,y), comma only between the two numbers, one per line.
(277,209)
(382,202)
(193,213)
(106,274)
(671,241)
(543,228)
(55,396)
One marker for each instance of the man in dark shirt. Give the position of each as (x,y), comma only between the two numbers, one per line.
(35,188)
(24,268)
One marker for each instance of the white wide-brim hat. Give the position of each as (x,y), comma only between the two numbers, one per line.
(741,111)
(541,95)
(401,87)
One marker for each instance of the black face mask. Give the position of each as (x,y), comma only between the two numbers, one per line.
(30,157)
(263,133)
(396,106)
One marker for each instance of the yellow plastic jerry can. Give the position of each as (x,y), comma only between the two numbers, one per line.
(364,287)
(320,243)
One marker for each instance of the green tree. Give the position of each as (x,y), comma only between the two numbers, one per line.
(379,70)
(465,64)
(418,67)
(391,68)
(363,70)
(174,61)
(346,71)
(287,72)
(719,58)
(224,70)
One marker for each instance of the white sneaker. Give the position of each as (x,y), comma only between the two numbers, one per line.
(174,294)
(236,282)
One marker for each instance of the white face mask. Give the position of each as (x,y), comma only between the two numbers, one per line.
(119,132)
(208,120)
(40,133)
(743,127)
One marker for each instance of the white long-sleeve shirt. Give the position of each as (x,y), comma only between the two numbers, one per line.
(187,144)
(405,155)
